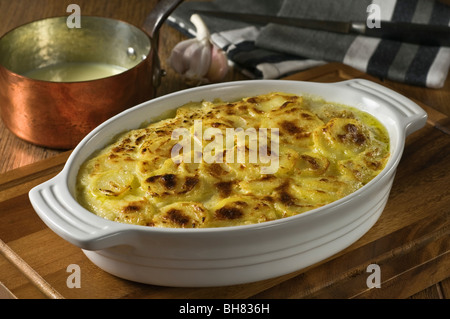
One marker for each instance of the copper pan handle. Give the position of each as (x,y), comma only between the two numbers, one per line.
(152,24)
(158,16)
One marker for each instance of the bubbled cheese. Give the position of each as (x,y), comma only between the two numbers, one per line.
(323,152)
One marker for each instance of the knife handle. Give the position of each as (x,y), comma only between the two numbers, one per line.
(436,35)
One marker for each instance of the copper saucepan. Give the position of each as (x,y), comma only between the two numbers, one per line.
(58,114)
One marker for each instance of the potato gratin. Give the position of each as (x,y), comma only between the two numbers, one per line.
(323,152)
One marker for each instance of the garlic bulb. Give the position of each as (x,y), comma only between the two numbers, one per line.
(198,60)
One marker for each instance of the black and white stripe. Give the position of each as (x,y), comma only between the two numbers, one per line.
(274,51)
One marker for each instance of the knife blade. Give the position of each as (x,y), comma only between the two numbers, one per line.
(436,35)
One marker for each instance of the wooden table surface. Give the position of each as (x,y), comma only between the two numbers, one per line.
(17,154)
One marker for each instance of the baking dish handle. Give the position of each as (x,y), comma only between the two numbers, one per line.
(411,116)
(53,204)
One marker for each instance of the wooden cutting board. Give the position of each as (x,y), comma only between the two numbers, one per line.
(410,242)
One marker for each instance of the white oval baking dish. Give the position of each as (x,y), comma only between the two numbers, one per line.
(230,255)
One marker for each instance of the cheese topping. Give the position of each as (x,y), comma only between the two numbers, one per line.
(160,175)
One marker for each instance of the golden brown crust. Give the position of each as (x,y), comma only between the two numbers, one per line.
(325,151)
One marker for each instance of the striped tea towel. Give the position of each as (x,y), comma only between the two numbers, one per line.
(274,51)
